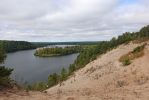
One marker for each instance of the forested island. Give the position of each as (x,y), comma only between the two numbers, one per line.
(57,51)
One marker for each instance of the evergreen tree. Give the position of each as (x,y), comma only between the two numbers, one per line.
(63,74)
(4,72)
(2,55)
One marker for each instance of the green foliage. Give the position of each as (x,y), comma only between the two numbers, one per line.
(57,51)
(144,32)
(139,48)
(63,74)
(71,69)
(4,75)
(12,46)
(126,62)
(2,55)
(38,86)
(4,72)
(53,79)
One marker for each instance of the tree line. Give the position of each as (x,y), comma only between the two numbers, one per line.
(12,46)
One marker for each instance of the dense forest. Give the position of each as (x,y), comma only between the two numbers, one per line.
(12,46)
(57,51)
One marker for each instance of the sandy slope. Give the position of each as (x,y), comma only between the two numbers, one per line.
(102,79)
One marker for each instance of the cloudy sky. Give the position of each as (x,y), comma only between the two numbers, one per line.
(70,20)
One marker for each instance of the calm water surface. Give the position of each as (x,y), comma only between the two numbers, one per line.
(31,69)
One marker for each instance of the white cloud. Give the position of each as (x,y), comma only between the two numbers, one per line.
(73,20)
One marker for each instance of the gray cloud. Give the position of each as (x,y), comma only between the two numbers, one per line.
(73,20)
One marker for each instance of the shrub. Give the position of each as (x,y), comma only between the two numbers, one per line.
(139,49)
(126,62)
(4,76)
(38,86)
(4,72)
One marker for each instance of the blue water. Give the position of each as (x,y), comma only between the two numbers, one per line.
(31,69)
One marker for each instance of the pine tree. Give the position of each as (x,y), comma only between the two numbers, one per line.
(4,72)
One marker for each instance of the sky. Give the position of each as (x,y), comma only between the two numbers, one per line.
(70,20)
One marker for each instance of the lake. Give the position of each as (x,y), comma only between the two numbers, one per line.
(31,69)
